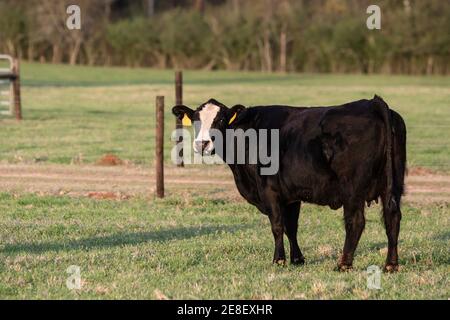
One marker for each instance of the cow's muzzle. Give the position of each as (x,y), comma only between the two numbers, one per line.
(202,146)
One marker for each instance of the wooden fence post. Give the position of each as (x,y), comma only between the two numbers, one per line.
(159,150)
(179,101)
(16,90)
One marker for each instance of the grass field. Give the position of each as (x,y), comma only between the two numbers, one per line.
(83,113)
(199,248)
(202,240)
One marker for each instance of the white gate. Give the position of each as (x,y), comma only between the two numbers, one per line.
(9,87)
(6,87)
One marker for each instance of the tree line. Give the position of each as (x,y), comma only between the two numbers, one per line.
(265,35)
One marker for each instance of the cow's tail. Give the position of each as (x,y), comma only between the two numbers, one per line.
(395,155)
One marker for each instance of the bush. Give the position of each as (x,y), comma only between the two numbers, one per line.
(322,36)
(236,42)
(13,29)
(356,45)
(185,38)
(135,42)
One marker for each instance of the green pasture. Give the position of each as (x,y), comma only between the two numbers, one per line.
(73,113)
(189,246)
(202,248)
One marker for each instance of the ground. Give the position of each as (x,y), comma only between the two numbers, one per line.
(77,188)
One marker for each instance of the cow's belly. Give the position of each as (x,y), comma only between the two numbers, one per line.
(318,189)
(305,176)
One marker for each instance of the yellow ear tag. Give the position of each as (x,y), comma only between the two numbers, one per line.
(186,121)
(232,118)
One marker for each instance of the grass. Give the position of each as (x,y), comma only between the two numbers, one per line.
(196,248)
(84,112)
(190,246)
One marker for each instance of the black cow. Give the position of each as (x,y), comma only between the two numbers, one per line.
(332,156)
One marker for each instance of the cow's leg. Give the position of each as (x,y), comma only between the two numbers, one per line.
(291,214)
(277,223)
(392,223)
(354,226)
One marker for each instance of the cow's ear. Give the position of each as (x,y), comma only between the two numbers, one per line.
(184,114)
(234,112)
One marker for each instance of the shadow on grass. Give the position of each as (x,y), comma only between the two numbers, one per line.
(122,239)
(443,236)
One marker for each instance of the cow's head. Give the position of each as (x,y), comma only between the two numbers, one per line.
(211,115)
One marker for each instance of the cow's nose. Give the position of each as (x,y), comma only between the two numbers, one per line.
(201,145)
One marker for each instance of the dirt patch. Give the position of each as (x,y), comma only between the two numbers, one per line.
(420,171)
(107,195)
(120,183)
(109,160)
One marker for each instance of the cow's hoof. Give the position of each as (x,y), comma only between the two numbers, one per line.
(280,262)
(344,267)
(390,268)
(298,261)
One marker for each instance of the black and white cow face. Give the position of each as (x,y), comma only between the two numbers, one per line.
(211,116)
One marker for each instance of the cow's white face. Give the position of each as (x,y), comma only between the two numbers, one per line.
(210,118)
(203,141)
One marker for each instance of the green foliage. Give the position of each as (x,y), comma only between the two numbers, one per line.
(182,37)
(186,38)
(319,48)
(359,46)
(321,36)
(236,41)
(13,27)
(134,41)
